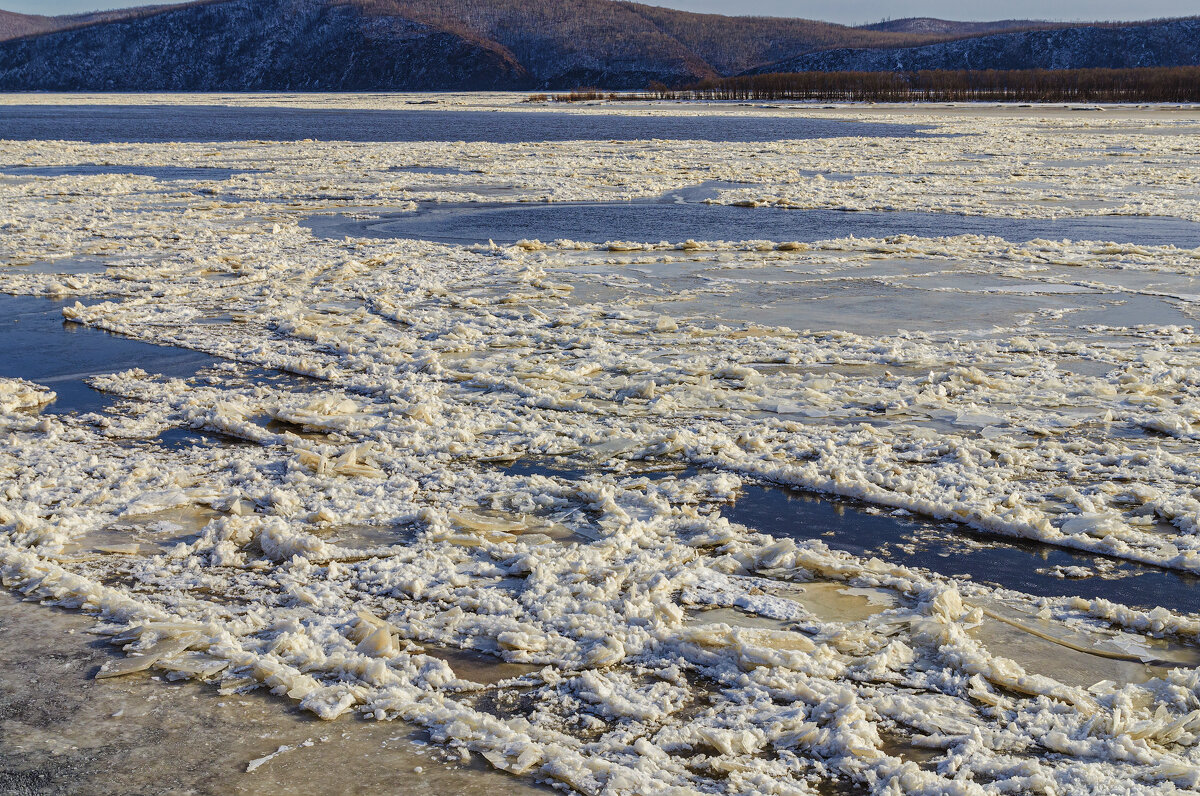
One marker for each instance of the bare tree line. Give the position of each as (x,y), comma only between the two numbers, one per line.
(1151,84)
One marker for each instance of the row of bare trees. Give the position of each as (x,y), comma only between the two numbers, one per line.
(1152,84)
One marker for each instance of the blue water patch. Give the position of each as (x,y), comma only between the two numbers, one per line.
(551,467)
(182,437)
(651,222)
(952,549)
(38,345)
(136,123)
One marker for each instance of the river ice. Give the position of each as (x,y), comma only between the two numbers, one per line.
(526,492)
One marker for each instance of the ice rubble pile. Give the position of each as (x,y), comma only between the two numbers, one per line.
(18,394)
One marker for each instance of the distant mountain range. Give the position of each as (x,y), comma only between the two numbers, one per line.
(340,45)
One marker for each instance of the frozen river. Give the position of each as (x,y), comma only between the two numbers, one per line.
(469,443)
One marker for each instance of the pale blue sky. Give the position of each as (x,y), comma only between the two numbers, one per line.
(845,11)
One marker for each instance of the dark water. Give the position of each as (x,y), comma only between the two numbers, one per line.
(954,549)
(180,437)
(551,467)
(652,222)
(36,344)
(131,123)
(157,172)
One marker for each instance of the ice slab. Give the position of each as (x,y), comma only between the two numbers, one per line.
(1089,659)
(145,534)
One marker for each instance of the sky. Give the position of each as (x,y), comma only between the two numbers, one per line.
(850,12)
